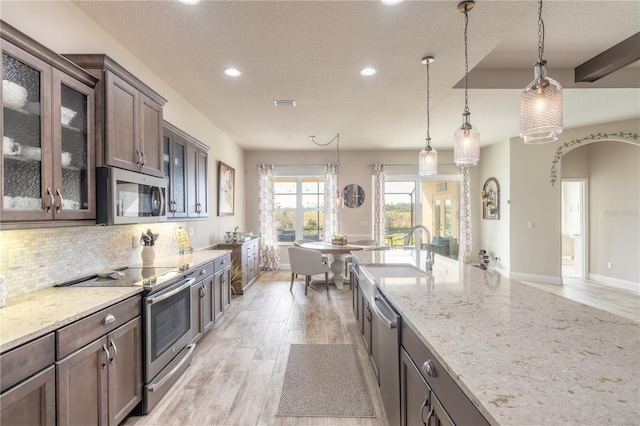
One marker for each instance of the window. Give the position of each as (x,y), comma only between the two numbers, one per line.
(399,209)
(430,203)
(299,205)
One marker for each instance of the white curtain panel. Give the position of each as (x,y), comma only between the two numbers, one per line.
(331,212)
(269,254)
(378,204)
(465,217)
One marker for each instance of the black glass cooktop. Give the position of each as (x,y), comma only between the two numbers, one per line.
(146,277)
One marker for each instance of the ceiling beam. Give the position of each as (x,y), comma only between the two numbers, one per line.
(619,56)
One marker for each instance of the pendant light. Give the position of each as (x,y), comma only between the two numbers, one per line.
(339,200)
(428,159)
(466,149)
(541,100)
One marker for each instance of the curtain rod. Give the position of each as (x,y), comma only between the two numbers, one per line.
(298,165)
(405,165)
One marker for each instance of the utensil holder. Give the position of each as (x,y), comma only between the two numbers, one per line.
(148,255)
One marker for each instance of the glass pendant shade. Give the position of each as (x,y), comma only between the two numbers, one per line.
(466,149)
(428,162)
(541,108)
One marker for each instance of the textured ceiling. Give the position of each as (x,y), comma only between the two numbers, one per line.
(312,52)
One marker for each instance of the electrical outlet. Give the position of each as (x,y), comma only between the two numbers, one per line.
(191,232)
(609,265)
(133,241)
(15,258)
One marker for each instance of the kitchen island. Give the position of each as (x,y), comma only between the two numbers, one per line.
(521,355)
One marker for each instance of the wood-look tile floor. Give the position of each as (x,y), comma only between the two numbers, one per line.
(624,303)
(237,370)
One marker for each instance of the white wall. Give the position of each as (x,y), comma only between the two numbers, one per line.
(494,234)
(613,171)
(536,252)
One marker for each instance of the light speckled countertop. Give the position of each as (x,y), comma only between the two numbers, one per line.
(35,314)
(523,356)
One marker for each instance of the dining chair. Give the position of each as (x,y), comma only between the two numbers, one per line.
(348,258)
(307,262)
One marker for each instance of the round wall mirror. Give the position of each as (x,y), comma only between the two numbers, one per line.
(353,195)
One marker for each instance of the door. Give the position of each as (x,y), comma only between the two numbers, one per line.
(122,124)
(26,166)
(415,394)
(574,231)
(196,312)
(175,171)
(82,386)
(150,135)
(32,402)
(73,149)
(210,305)
(125,370)
(201,182)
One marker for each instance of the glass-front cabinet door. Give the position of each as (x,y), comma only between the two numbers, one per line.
(27,193)
(73,145)
(174,167)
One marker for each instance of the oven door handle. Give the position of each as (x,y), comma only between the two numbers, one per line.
(170,375)
(186,284)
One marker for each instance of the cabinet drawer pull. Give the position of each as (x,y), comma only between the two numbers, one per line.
(143,159)
(204,271)
(428,368)
(108,319)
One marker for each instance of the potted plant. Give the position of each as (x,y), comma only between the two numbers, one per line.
(235,276)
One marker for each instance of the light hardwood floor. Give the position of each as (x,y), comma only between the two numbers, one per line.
(238,368)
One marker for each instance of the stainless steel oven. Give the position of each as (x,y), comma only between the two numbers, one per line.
(166,319)
(168,347)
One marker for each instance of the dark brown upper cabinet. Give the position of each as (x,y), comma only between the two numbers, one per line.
(47,124)
(128,117)
(185,167)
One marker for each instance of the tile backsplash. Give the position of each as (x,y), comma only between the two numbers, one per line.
(51,256)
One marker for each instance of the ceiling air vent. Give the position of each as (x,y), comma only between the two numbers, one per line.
(284,103)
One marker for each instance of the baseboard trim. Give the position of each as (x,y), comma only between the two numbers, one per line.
(536,278)
(617,283)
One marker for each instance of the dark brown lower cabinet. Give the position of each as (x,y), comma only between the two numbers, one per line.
(418,404)
(202,309)
(222,286)
(428,394)
(32,402)
(101,382)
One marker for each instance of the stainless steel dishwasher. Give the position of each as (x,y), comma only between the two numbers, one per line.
(387,340)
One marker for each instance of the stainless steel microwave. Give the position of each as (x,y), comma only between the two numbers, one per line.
(125,197)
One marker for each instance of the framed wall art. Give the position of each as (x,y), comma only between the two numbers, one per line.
(226,189)
(491,199)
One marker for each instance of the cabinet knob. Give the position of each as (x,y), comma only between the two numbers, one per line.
(428,368)
(108,319)
(202,272)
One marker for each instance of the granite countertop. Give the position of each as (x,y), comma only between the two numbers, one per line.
(35,314)
(523,356)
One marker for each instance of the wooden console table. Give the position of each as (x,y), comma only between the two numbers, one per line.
(246,256)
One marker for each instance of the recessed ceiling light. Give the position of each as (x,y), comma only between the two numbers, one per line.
(189,2)
(285,103)
(232,72)
(368,71)
(391,2)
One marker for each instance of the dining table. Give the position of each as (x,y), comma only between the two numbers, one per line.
(338,252)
